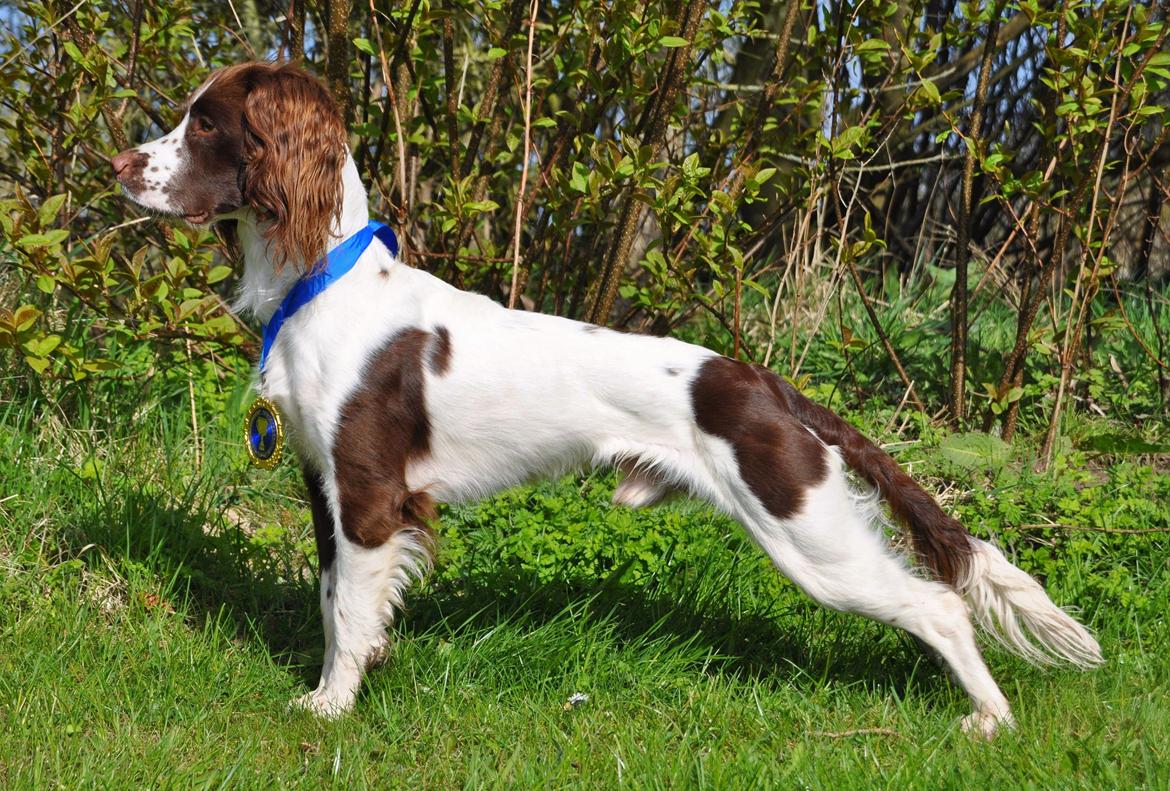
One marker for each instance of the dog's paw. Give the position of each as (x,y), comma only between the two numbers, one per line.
(379,653)
(985,724)
(320,704)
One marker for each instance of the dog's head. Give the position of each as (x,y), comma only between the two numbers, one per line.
(263,137)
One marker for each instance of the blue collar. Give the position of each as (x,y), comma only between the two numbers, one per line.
(338,261)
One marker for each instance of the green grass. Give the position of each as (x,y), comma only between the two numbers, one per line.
(156,618)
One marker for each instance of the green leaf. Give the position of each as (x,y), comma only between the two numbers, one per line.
(188,306)
(46,283)
(495,53)
(845,140)
(672,41)
(975,450)
(33,240)
(47,214)
(38,364)
(101,364)
(74,53)
(579,180)
(930,91)
(757,287)
(43,347)
(1116,443)
(24,317)
(481,206)
(90,469)
(762,177)
(364,45)
(872,44)
(218,273)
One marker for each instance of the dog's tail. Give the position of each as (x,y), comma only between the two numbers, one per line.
(1006,602)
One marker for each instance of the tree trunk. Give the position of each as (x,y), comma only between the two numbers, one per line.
(337,56)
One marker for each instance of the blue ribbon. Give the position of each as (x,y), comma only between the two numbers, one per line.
(338,261)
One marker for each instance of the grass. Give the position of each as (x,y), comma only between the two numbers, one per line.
(156,618)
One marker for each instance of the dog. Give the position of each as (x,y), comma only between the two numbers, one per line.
(401,391)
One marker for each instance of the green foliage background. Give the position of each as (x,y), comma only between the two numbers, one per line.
(727,172)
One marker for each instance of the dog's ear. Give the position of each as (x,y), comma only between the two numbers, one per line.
(294,151)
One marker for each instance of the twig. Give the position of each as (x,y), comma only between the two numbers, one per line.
(514,296)
(195,438)
(402,194)
(452,107)
(897,411)
(244,39)
(856,732)
(959,292)
(891,352)
(1080,529)
(1073,327)
(652,126)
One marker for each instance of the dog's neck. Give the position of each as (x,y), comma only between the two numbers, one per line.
(262,287)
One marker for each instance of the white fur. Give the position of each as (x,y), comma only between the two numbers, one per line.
(528,395)
(579,397)
(1009,605)
(167,158)
(360,593)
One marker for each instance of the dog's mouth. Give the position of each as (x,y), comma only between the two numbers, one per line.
(198,217)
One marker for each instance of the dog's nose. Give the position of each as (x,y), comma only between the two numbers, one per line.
(122,161)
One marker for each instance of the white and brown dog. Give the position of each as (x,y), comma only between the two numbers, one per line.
(400,391)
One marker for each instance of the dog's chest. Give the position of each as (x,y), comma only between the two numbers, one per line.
(319,356)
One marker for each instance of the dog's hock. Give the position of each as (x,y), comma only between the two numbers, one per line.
(640,488)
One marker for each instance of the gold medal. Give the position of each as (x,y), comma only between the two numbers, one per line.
(263,434)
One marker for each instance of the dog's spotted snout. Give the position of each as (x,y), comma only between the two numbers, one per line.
(129,167)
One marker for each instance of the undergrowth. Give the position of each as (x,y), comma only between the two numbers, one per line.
(158,609)
(158,602)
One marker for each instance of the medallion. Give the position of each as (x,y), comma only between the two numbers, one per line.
(263,434)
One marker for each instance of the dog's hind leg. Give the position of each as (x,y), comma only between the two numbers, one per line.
(362,587)
(834,550)
(641,486)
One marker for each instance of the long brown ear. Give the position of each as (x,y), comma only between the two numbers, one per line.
(295,149)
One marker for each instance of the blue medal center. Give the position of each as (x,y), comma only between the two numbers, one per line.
(262,432)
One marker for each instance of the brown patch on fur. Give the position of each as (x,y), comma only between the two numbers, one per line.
(322,520)
(777,458)
(383,426)
(295,151)
(294,147)
(942,543)
(440,356)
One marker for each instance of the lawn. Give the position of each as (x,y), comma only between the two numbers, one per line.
(158,610)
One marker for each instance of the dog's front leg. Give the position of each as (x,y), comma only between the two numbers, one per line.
(363,577)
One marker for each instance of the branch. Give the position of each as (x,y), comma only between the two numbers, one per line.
(959,294)
(657,120)
(337,62)
(514,295)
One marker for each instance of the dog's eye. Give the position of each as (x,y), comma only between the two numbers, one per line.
(202,126)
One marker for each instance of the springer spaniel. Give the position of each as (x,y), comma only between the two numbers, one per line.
(400,391)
